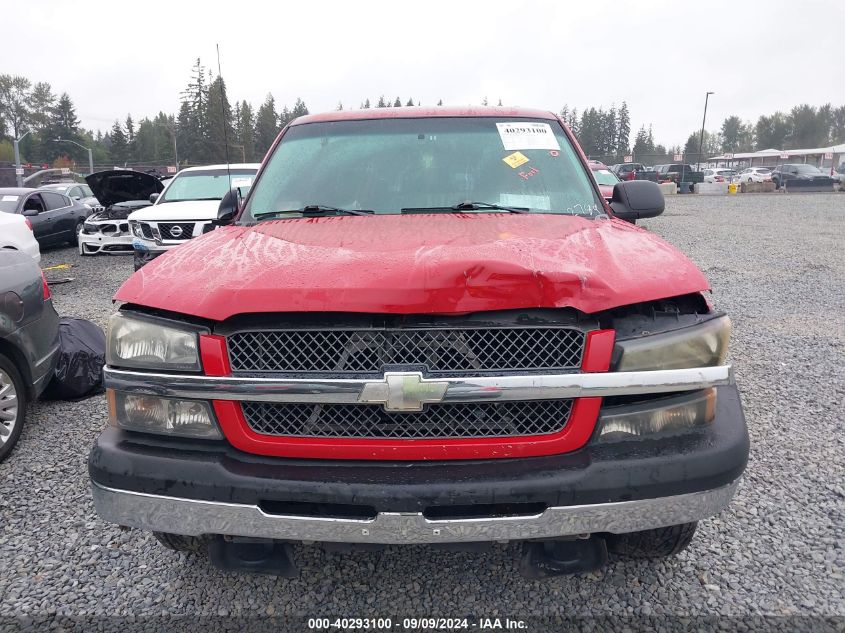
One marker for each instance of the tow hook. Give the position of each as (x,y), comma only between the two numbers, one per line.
(548,559)
(251,555)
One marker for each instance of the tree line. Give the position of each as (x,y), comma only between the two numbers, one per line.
(208,129)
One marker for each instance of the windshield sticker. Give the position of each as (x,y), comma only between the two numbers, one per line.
(516,159)
(554,152)
(527,135)
(242,181)
(518,200)
(10,198)
(525,175)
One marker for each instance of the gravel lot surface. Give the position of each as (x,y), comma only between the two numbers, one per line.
(777,266)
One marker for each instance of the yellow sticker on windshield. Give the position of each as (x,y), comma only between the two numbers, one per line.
(516,159)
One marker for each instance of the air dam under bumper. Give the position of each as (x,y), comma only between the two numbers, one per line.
(193,487)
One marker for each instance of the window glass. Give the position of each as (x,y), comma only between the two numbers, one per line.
(208,184)
(387,165)
(54,200)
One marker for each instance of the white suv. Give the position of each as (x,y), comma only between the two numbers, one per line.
(16,234)
(186,208)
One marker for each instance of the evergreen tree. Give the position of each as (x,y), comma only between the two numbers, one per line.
(118,146)
(339,107)
(220,130)
(246,130)
(484,101)
(366,105)
(623,130)
(440,102)
(397,103)
(266,125)
(299,109)
(381,102)
(410,103)
(500,102)
(130,138)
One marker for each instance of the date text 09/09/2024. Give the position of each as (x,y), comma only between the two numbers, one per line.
(417,624)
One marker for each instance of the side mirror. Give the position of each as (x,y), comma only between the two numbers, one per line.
(153,197)
(30,212)
(636,199)
(229,207)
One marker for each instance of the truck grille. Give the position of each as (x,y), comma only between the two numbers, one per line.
(438,350)
(501,419)
(146,230)
(169,231)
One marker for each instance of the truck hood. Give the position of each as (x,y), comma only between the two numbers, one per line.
(122,185)
(178,211)
(444,264)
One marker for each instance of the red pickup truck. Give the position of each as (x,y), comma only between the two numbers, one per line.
(422,326)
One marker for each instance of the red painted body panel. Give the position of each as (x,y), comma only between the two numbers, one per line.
(426,112)
(576,433)
(443,264)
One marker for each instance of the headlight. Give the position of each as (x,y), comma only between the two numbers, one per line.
(702,345)
(167,416)
(148,344)
(677,413)
(136,229)
(89,228)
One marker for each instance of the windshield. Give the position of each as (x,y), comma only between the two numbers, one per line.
(8,202)
(210,184)
(387,165)
(806,169)
(605,177)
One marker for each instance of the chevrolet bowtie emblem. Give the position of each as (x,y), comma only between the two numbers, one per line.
(403,391)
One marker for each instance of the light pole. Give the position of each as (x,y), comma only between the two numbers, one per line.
(90,157)
(18,166)
(701,140)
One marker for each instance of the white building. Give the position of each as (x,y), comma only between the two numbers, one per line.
(821,157)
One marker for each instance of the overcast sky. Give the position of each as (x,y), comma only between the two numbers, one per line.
(115,58)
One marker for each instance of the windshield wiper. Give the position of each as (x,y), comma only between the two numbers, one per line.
(465,206)
(313,211)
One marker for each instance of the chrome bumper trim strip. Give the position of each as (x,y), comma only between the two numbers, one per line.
(195,517)
(440,390)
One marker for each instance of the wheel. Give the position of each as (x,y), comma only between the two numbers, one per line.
(657,543)
(76,232)
(180,543)
(12,406)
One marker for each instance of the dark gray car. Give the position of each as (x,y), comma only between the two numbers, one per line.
(55,217)
(29,341)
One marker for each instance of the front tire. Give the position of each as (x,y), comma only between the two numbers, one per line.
(12,406)
(657,543)
(180,543)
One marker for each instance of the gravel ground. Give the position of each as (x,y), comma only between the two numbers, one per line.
(777,266)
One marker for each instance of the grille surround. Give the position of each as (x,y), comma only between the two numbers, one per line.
(443,421)
(165,228)
(439,351)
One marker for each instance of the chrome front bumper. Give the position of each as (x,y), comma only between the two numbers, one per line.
(196,517)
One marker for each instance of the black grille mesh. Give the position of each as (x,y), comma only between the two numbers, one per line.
(439,350)
(146,230)
(166,230)
(499,419)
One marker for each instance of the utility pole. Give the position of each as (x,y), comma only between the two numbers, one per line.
(18,166)
(701,140)
(90,155)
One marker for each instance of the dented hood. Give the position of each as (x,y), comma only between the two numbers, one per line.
(122,185)
(414,264)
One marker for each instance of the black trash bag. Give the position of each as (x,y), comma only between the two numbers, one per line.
(82,354)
